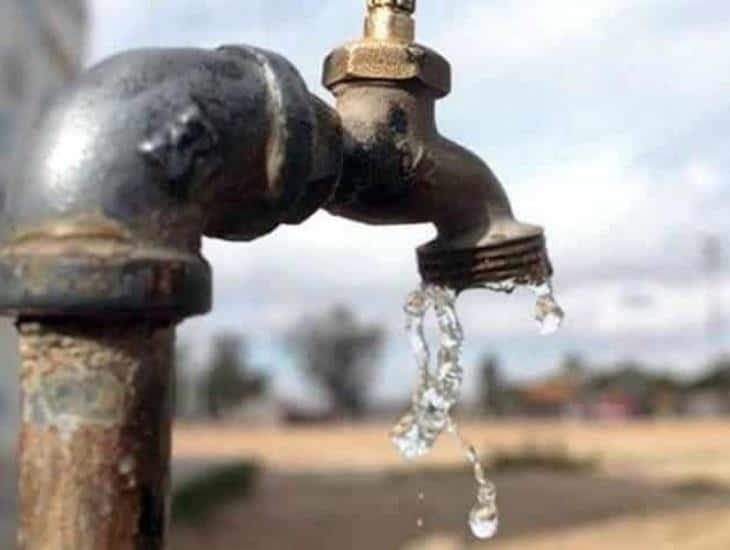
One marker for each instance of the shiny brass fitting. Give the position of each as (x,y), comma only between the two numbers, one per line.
(391,21)
(388,52)
(408,6)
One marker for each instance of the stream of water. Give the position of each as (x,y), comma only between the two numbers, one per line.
(438,388)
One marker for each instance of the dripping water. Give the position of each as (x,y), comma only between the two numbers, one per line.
(415,434)
(421,498)
(548,314)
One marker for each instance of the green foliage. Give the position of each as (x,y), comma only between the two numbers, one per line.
(229,381)
(716,377)
(701,486)
(534,457)
(197,499)
(339,353)
(491,386)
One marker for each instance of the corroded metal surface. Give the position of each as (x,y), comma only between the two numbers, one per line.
(144,154)
(95,439)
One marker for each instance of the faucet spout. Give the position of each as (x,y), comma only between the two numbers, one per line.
(479,241)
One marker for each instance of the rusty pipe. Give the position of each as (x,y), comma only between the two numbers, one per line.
(94,449)
(129,168)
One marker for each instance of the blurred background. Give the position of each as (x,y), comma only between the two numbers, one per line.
(608,122)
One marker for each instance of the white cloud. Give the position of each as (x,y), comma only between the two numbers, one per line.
(511,33)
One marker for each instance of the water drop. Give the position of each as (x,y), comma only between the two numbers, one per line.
(417,303)
(419,523)
(548,313)
(452,335)
(549,316)
(414,328)
(507,286)
(487,493)
(484,520)
(407,438)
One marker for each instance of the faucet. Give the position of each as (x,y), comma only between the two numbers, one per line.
(398,169)
(130,167)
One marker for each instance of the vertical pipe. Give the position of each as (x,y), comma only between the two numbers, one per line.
(94,453)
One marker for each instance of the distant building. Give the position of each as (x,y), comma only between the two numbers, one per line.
(555,397)
(614,405)
(707,403)
(710,395)
(41,44)
(633,390)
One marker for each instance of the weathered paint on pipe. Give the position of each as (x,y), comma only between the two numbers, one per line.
(95,439)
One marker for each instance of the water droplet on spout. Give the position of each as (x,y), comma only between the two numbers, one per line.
(507,286)
(548,313)
(417,303)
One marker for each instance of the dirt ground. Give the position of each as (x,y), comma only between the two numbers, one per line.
(660,450)
(539,510)
(7,502)
(660,486)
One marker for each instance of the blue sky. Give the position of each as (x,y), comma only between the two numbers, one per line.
(608,122)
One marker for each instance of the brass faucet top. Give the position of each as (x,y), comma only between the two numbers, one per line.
(408,6)
(388,52)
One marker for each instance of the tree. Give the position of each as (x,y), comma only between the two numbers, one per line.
(573,368)
(339,353)
(228,381)
(491,386)
(716,376)
(180,390)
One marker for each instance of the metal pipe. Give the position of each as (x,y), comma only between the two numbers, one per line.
(129,168)
(94,453)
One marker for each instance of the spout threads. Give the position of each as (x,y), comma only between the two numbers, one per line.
(523,261)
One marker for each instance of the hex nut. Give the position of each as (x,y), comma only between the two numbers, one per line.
(380,60)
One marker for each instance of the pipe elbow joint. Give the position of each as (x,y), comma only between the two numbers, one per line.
(147,153)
